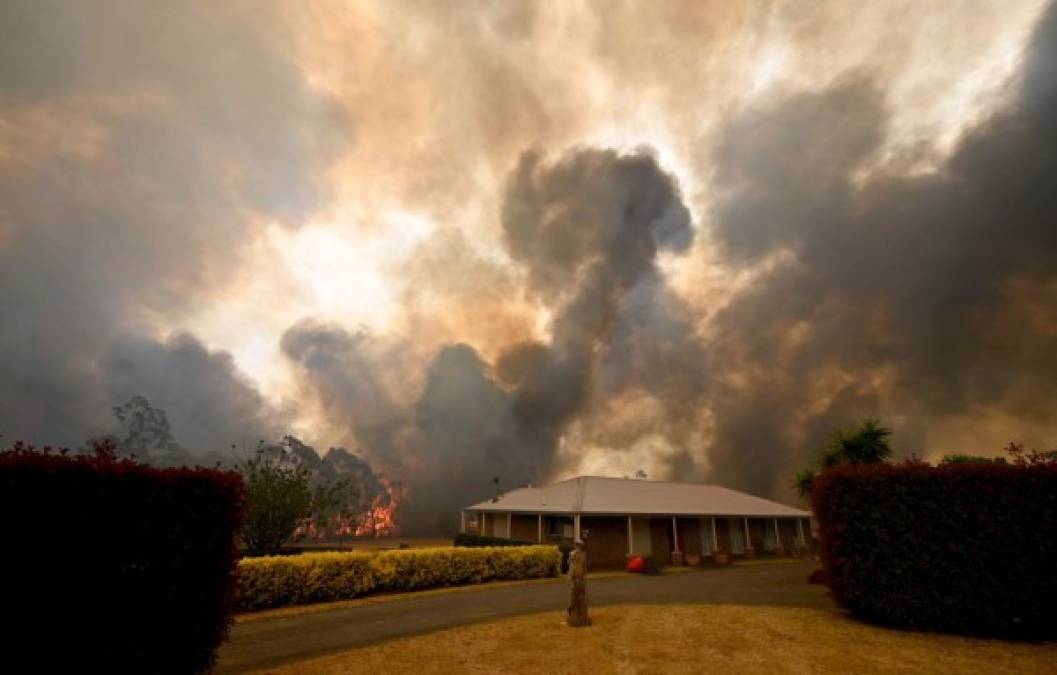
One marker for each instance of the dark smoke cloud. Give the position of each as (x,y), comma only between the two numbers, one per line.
(446,446)
(919,298)
(209,403)
(466,434)
(655,351)
(587,230)
(346,374)
(145,142)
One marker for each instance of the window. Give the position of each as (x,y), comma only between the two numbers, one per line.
(560,527)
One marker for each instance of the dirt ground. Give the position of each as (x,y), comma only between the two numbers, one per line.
(686,639)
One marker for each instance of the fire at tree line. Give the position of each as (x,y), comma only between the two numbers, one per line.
(292,492)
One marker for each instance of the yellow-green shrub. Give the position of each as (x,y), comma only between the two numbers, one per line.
(319,577)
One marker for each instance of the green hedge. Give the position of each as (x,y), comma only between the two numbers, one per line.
(114,566)
(968,547)
(473,540)
(322,577)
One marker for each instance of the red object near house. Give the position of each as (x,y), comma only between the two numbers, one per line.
(637,564)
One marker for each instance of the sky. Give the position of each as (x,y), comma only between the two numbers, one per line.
(531,240)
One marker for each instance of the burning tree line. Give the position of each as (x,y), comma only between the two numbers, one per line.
(292,492)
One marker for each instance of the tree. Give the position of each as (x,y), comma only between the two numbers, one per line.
(865,444)
(278,502)
(293,492)
(1018,457)
(148,435)
(286,499)
(802,481)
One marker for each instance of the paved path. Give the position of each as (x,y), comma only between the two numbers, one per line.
(269,642)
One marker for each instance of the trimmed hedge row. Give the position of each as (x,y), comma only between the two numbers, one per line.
(471,540)
(967,548)
(474,540)
(320,577)
(120,567)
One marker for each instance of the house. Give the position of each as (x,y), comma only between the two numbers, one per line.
(674,523)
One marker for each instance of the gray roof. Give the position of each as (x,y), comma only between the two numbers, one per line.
(598,495)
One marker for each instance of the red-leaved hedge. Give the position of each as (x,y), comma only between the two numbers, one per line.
(967,548)
(111,566)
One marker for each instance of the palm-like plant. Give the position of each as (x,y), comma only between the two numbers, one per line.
(802,482)
(867,444)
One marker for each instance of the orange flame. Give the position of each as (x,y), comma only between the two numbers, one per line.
(377,521)
(380,519)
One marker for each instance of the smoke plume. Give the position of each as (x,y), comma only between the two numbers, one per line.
(688,240)
(140,147)
(925,299)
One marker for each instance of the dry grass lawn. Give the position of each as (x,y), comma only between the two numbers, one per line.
(686,639)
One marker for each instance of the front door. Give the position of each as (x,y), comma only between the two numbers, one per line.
(661,539)
(737,536)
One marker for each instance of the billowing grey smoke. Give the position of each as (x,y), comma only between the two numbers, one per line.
(466,434)
(587,230)
(917,298)
(458,435)
(347,373)
(209,403)
(143,143)
(146,434)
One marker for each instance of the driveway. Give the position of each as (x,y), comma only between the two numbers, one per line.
(269,642)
